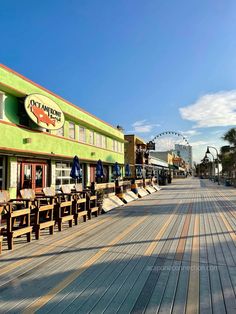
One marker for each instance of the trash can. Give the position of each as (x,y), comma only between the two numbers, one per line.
(227,182)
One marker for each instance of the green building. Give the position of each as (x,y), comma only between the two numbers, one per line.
(40,133)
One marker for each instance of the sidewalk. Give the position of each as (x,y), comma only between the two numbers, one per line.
(173,251)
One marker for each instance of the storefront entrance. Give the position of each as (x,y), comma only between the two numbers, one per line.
(32,175)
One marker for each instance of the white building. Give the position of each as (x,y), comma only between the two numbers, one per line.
(185,152)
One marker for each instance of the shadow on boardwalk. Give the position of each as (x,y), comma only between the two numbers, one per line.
(123,282)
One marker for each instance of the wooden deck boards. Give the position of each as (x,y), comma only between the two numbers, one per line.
(173,251)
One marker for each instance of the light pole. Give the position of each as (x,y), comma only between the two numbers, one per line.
(217,160)
(212,165)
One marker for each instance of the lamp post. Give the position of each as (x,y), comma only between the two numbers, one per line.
(212,164)
(217,160)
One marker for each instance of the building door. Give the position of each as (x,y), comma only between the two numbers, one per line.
(32,176)
(92,173)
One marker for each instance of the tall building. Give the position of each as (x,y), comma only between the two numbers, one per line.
(185,152)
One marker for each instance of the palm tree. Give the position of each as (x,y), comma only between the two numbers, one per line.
(228,153)
(230,137)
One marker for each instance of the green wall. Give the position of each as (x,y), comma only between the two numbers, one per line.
(23,87)
(13,136)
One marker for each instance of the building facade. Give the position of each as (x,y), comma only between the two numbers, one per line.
(136,155)
(41,133)
(185,151)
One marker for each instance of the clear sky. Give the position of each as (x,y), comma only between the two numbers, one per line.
(147,65)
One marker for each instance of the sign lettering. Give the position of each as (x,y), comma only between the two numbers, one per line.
(44,112)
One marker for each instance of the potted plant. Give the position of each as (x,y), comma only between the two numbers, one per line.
(100,198)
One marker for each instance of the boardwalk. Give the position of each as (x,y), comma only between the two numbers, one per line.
(174,251)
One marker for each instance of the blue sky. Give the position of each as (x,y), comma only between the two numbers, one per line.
(150,66)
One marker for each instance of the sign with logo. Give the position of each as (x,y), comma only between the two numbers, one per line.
(44,112)
(150,145)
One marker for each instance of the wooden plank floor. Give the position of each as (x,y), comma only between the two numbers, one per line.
(172,252)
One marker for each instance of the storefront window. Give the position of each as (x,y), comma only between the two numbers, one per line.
(72,130)
(39,176)
(63,170)
(27,176)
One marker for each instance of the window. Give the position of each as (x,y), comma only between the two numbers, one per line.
(1,105)
(72,130)
(91,138)
(115,146)
(60,132)
(99,140)
(63,170)
(104,141)
(82,135)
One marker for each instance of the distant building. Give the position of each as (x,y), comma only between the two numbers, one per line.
(142,162)
(136,154)
(185,152)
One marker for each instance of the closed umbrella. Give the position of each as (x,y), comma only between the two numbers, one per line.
(127,170)
(139,171)
(99,169)
(76,170)
(117,170)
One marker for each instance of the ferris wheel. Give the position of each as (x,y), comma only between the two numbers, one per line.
(168,140)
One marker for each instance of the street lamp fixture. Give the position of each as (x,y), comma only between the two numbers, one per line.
(217,160)
(212,163)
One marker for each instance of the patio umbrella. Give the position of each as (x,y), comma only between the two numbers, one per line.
(117,170)
(76,171)
(99,169)
(127,170)
(139,172)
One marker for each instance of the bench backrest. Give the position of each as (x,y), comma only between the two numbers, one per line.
(28,194)
(79,187)
(4,196)
(66,189)
(49,191)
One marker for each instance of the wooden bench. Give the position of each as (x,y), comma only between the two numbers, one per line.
(156,185)
(44,219)
(1,239)
(141,191)
(62,207)
(18,224)
(148,186)
(79,208)
(1,236)
(127,195)
(63,213)
(2,208)
(91,205)
(110,200)
(7,204)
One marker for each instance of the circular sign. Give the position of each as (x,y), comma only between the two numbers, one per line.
(44,112)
